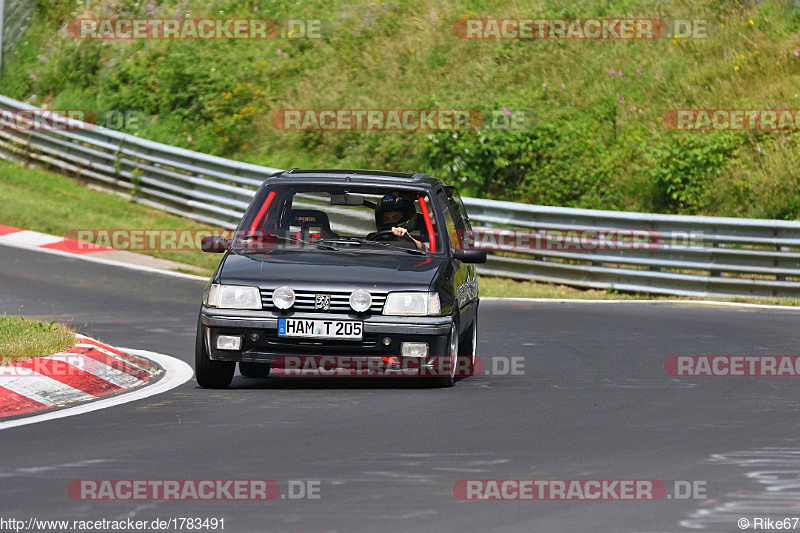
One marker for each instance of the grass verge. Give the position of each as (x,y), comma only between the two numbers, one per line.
(23,338)
(55,204)
(509,288)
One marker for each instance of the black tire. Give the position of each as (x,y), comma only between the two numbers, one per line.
(210,374)
(448,380)
(254,370)
(469,348)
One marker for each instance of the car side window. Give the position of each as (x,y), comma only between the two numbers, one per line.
(450,225)
(459,211)
(462,218)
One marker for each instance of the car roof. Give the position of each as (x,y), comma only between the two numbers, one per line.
(296,175)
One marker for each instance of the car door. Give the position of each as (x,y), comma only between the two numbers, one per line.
(464,228)
(464,225)
(454,227)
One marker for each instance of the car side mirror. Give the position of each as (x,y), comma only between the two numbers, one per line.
(214,244)
(470,256)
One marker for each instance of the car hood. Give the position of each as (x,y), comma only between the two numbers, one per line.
(331,269)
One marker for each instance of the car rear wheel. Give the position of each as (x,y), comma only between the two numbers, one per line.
(254,370)
(210,374)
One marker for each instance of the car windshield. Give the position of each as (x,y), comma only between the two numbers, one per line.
(335,218)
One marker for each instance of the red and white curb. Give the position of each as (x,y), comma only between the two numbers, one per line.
(176,373)
(34,239)
(86,371)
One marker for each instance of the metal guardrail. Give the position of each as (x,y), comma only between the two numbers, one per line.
(699,256)
(725,257)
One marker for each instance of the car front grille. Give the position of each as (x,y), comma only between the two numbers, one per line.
(340,301)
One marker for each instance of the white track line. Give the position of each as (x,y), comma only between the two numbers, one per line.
(176,373)
(588,301)
(90,257)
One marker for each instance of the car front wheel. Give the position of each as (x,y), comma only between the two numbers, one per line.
(210,374)
(470,348)
(446,364)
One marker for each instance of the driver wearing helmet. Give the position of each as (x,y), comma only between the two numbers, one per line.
(398,214)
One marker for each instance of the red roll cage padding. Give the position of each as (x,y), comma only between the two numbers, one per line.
(261,213)
(428,224)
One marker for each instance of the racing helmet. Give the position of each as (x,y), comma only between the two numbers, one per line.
(391,203)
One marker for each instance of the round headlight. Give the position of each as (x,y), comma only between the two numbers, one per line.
(360,300)
(283,297)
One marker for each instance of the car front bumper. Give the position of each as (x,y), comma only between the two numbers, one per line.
(264,324)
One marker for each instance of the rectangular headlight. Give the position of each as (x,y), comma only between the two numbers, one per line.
(412,304)
(233,297)
(229,342)
(413,349)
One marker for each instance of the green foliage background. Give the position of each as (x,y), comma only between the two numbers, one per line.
(595,140)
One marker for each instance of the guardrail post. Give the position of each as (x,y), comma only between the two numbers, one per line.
(716,273)
(780,277)
(28,150)
(118,159)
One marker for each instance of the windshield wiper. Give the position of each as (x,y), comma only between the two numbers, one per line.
(344,240)
(361,240)
(257,236)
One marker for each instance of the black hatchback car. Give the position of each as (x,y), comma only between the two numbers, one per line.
(343,264)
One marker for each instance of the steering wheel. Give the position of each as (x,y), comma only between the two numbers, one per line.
(380,236)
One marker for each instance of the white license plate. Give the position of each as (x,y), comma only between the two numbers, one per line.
(320,329)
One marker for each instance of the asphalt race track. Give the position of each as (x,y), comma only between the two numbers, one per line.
(592,401)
